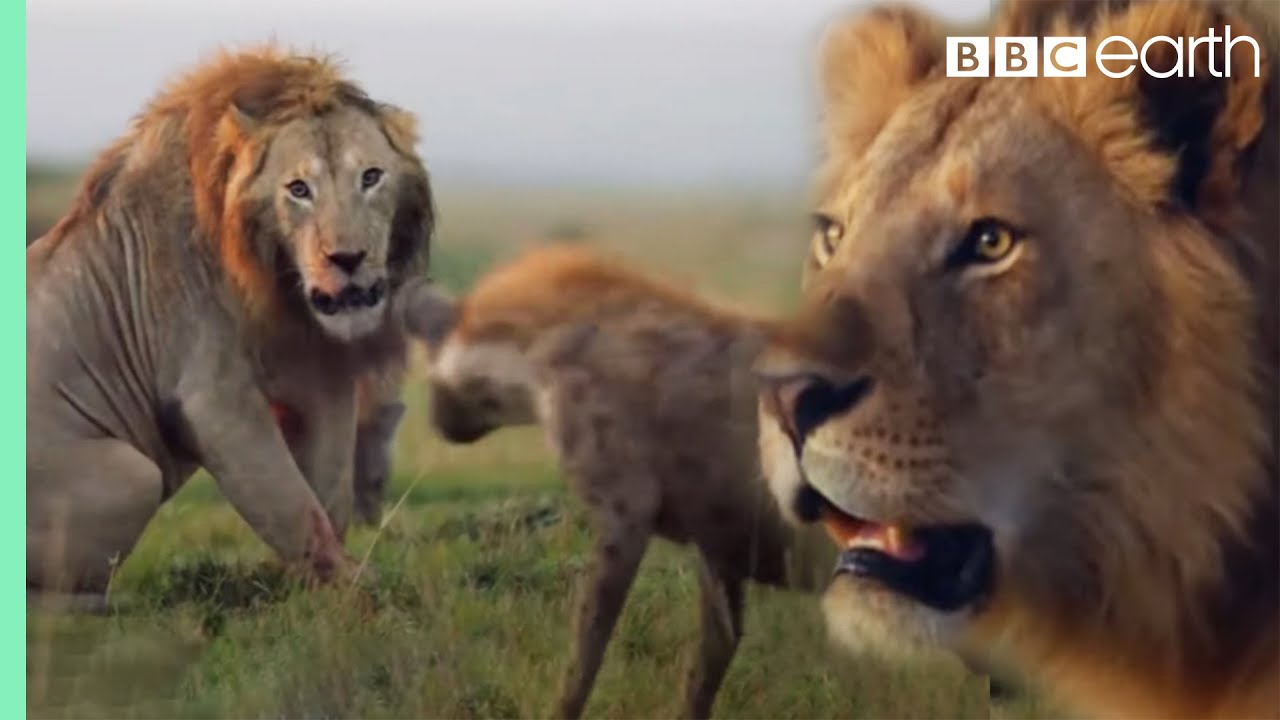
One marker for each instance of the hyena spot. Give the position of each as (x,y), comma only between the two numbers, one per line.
(602,422)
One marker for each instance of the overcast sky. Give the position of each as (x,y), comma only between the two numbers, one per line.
(569,91)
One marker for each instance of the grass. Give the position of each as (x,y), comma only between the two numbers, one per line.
(467,613)
(468,616)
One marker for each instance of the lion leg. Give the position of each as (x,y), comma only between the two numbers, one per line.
(63,603)
(721,630)
(322,445)
(616,558)
(88,502)
(374,438)
(238,439)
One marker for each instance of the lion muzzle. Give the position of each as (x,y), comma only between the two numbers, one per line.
(351,297)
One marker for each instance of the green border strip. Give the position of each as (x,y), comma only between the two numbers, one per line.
(13,448)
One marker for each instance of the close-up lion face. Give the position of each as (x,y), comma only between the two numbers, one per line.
(331,187)
(973,291)
(995,332)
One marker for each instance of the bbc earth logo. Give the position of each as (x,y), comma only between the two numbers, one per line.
(1116,56)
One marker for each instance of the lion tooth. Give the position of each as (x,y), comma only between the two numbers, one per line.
(873,542)
(893,540)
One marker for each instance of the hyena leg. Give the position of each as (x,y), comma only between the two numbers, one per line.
(721,606)
(88,502)
(616,558)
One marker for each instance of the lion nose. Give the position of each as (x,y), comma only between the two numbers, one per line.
(348,261)
(803,404)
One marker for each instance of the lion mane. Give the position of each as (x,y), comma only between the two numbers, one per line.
(1224,620)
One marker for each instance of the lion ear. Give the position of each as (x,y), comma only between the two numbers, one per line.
(239,121)
(1036,18)
(254,99)
(869,65)
(1177,140)
(401,127)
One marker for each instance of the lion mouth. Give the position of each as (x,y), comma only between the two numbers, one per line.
(351,297)
(944,567)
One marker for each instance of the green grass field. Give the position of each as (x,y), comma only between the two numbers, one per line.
(468,612)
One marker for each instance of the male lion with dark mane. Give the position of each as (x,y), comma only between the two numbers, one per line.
(234,254)
(1032,385)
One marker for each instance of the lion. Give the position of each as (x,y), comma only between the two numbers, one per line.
(1031,388)
(239,249)
(645,397)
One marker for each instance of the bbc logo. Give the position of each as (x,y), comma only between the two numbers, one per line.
(1015,57)
(1117,56)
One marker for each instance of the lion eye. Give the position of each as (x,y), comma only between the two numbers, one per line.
(370,178)
(828,233)
(988,241)
(299,189)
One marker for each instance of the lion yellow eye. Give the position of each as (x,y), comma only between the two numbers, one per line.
(994,243)
(988,241)
(828,233)
(299,189)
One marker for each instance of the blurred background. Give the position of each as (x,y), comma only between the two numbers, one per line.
(624,92)
(619,120)
(679,135)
